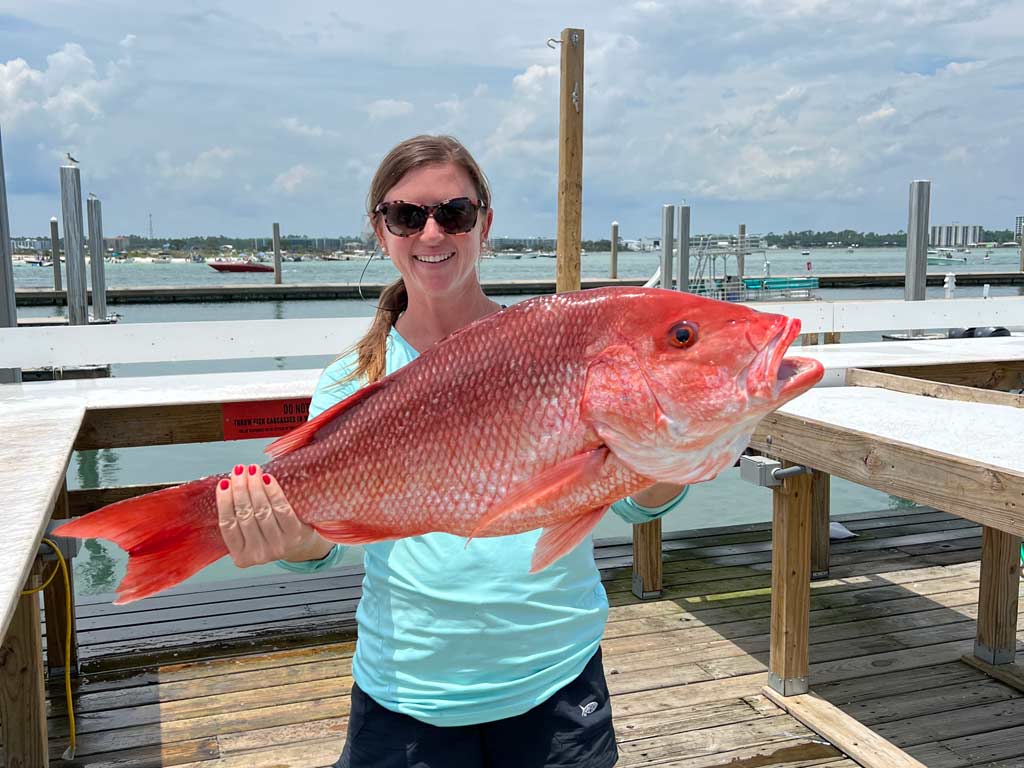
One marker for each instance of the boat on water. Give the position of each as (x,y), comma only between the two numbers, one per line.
(945,256)
(240,266)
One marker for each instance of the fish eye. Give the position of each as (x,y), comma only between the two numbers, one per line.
(683,335)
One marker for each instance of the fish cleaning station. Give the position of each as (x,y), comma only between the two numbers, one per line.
(879,639)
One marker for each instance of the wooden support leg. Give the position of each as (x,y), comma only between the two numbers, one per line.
(820,512)
(791,588)
(808,339)
(647,560)
(996,641)
(22,695)
(832,337)
(54,601)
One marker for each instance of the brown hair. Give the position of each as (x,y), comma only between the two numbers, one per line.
(417,152)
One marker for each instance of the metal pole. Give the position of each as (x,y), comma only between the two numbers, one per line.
(96,251)
(55,253)
(71,209)
(8,300)
(277,253)
(614,268)
(683,273)
(741,251)
(668,214)
(917,241)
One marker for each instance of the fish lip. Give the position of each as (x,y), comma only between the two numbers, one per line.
(772,377)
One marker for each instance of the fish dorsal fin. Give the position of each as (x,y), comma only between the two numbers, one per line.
(303,435)
(553,482)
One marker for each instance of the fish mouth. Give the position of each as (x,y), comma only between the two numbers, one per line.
(774,378)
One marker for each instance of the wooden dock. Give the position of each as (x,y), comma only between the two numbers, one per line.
(328,291)
(257,673)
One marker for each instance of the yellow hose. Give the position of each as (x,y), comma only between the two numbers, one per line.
(62,566)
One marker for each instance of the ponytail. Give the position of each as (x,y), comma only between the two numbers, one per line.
(371,350)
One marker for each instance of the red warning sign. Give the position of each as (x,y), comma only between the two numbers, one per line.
(266,418)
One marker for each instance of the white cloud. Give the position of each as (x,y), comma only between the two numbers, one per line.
(882,113)
(292,180)
(210,164)
(536,80)
(382,109)
(299,128)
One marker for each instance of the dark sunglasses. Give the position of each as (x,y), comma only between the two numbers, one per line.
(456,216)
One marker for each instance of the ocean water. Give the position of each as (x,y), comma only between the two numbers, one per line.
(723,501)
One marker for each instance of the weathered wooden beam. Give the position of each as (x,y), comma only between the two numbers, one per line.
(791,588)
(1004,375)
(821,488)
(808,339)
(860,377)
(55,599)
(647,574)
(1008,674)
(858,741)
(150,425)
(996,641)
(976,492)
(570,163)
(832,337)
(82,502)
(22,692)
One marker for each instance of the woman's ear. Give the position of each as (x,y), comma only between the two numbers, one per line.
(485,229)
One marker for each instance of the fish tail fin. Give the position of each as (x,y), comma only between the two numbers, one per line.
(168,535)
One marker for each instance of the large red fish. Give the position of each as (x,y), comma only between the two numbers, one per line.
(538,416)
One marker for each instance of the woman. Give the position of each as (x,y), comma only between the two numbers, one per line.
(463,657)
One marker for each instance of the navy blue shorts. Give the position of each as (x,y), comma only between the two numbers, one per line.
(572,729)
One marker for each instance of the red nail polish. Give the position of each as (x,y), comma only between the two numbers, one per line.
(266,479)
(224,484)
(239,469)
(252,469)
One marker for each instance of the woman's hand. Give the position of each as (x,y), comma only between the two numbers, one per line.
(259,525)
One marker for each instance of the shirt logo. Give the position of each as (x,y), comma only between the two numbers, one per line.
(588,709)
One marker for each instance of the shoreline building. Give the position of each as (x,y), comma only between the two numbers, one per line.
(950,235)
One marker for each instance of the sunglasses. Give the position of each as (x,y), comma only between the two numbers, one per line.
(456,216)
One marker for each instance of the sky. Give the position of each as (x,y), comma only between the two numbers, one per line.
(223,117)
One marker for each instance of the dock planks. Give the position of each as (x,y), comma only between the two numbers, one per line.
(257,673)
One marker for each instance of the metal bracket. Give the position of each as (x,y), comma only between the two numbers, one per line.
(68,547)
(638,589)
(767,473)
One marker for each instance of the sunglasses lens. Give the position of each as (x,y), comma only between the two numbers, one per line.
(405,218)
(457,216)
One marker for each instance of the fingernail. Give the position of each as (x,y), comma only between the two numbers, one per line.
(266,479)
(239,469)
(252,469)
(224,484)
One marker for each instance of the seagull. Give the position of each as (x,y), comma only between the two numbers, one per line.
(71,158)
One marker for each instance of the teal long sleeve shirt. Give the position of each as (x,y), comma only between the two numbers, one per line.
(456,635)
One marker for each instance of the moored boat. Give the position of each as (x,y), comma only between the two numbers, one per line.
(240,266)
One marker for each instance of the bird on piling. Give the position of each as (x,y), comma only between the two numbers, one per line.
(69,157)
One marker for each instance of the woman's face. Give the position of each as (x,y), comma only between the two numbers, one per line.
(432,262)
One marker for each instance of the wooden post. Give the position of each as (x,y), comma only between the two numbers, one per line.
(613,271)
(277,253)
(55,599)
(791,589)
(832,337)
(647,559)
(997,597)
(55,253)
(741,251)
(808,339)
(570,163)
(821,486)
(22,695)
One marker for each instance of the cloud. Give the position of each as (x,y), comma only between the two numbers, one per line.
(383,109)
(882,113)
(292,180)
(295,126)
(210,164)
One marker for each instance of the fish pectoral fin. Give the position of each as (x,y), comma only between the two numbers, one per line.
(562,478)
(561,539)
(352,532)
(303,435)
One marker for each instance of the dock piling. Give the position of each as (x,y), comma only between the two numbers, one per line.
(71,209)
(277,253)
(8,301)
(683,271)
(741,251)
(613,271)
(55,253)
(668,215)
(917,241)
(99,281)
(570,162)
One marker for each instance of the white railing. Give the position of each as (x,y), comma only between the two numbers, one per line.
(65,346)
